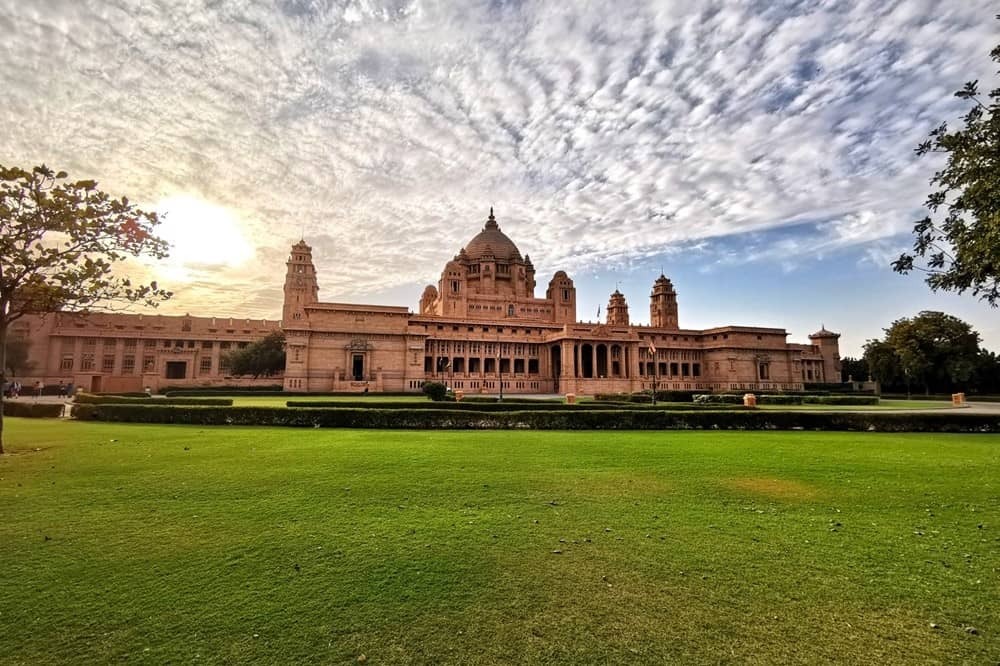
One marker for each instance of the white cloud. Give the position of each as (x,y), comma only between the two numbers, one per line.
(602,132)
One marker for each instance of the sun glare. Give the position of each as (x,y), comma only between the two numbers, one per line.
(202,233)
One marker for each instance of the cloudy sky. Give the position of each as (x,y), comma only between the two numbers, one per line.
(759,152)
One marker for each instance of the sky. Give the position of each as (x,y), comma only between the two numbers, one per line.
(759,153)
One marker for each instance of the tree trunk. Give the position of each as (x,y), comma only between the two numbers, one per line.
(3,375)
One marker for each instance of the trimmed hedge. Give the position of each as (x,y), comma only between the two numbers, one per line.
(517,401)
(969,397)
(91,399)
(463,406)
(840,400)
(647,396)
(718,399)
(450,419)
(194,393)
(32,410)
(125,394)
(787,399)
(215,390)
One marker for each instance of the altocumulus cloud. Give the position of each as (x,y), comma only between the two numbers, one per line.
(383,131)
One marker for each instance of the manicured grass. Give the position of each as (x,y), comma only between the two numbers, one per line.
(179,544)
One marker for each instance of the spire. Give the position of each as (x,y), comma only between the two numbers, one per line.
(491,222)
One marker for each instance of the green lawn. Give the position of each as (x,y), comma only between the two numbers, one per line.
(177,544)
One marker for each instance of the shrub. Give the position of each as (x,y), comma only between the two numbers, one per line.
(194,393)
(92,399)
(436,391)
(625,419)
(228,390)
(840,400)
(778,399)
(675,396)
(32,410)
(718,398)
(611,397)
(487,399)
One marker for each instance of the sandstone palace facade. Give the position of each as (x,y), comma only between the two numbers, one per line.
(482,324)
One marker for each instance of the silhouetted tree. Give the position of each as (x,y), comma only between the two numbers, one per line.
(264,357)
(59,243)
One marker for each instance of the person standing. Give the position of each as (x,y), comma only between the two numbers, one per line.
(38,389)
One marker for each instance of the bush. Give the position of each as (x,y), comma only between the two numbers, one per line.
(92,399)
(778,399)
(228,390)
(489,399)
(840,400)
(647,396)
(436,391)
(32,410)
(625,419)
(194,393)
(125,394)
(718,398)
(675,396)
(828,387)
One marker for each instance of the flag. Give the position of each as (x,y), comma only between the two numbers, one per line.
(598,312)
(652,347)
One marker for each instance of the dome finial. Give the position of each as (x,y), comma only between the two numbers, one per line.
(491,222)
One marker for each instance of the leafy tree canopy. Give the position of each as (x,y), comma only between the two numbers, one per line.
(265,357)
(16,358)
(934,350)
(60,241)
(959,243)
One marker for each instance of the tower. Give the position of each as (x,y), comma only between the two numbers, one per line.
(562,293)
(829,348)
(663,305)
(617,310)
(301,288)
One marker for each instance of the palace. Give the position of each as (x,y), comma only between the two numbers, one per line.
(481,327)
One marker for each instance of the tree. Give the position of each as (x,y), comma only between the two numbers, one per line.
(436,391)
(60,242)
(855,369)
(934,350)
(16,358)
(262,357)
(987,375)
(962,249)
(883,365)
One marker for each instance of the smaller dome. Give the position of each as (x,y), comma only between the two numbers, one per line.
(560,274)
(430,290)
(823,333)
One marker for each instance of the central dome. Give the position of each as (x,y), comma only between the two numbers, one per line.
(492,242)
